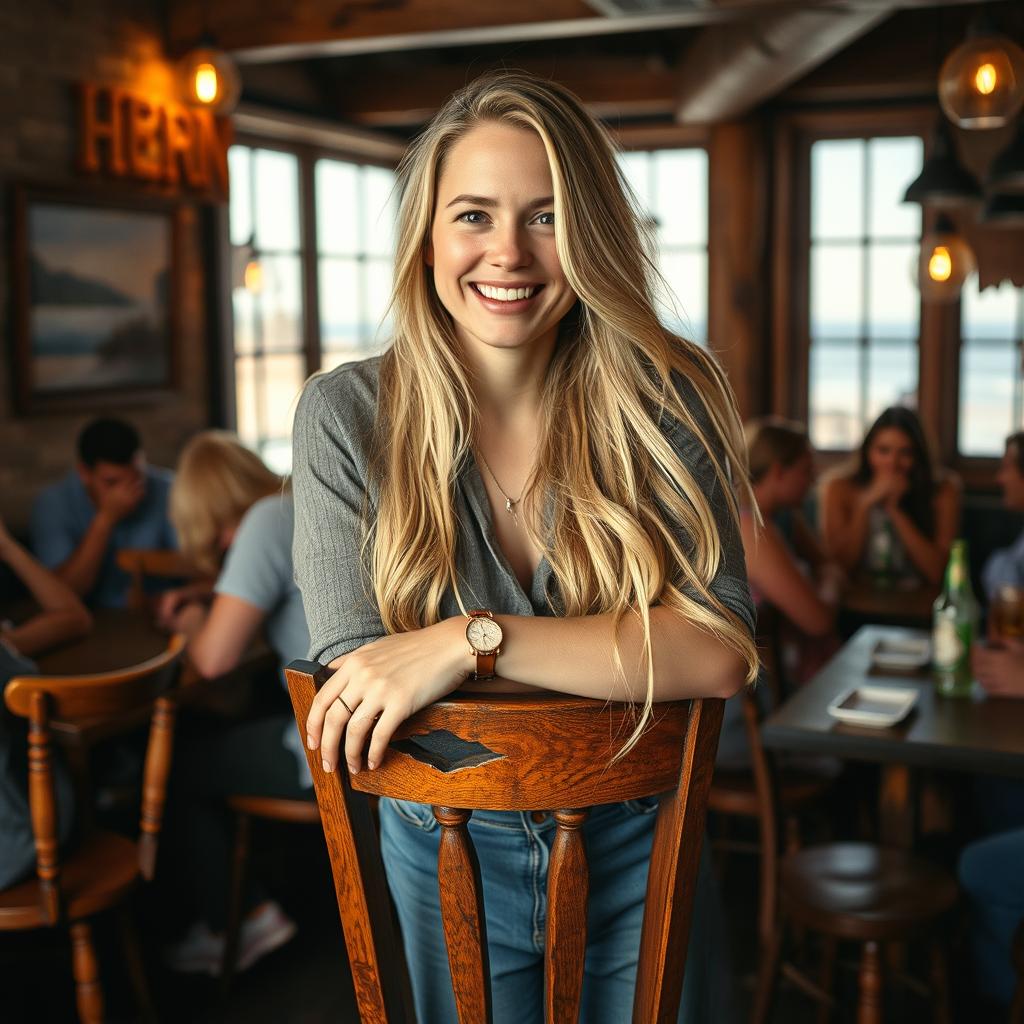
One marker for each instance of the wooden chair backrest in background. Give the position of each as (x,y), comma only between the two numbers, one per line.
(504,752)
(84,709)
(152,563)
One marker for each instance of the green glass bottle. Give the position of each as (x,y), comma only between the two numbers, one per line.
(954,625)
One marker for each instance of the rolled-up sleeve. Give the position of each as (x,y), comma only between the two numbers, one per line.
(329,492)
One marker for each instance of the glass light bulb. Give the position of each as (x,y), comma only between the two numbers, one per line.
(206,84)
(986,79)
(253,277)
(940,264)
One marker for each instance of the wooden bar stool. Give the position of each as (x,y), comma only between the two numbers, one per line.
(510,752)
(103,868)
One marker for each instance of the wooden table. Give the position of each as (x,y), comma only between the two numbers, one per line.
(119,638)
(980,734)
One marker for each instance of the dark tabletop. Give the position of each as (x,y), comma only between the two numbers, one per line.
(979,734)
(119,638)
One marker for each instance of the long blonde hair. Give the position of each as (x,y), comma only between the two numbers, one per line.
(620,495)
(216,482)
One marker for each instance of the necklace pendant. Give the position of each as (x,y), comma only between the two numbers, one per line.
(508,507)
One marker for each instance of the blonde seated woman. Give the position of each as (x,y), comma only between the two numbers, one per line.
(234,518)
(890,512)
(786,566)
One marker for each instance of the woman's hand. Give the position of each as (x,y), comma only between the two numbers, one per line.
(380,685)
(1000,670)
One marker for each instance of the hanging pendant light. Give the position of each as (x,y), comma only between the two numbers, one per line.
(1006,174)
(946,262)
(210,78)
(981,83)
(944,182)
(1003,211)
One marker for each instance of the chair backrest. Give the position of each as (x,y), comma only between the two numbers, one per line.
(83,709)
(504,752)
(152,563)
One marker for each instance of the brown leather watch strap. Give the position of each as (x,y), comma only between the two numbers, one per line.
(485,665)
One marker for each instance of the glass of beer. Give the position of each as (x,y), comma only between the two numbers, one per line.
(1008,613)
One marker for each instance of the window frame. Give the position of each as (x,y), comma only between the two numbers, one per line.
(939,337)
(307,155)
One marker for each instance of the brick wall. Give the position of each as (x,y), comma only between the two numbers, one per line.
(45,47)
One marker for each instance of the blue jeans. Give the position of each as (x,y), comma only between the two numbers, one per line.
(991,874)
(513,851)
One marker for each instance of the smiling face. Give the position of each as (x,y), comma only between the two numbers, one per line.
(891,452)
(492,243)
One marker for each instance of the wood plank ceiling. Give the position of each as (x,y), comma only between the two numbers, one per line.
(387,64)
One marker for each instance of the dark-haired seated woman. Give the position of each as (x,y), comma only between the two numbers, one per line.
(890,511)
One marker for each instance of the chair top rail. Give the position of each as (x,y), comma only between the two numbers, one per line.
(87,696)
(523,752)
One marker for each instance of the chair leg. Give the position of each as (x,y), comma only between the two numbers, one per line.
(767,975)
(869,1003)
(136,968)
(88,991)
(829,947)
(943,1011)
(239,858)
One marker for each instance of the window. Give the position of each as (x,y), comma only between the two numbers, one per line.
(270,361)
(356,214)
(348,275)
(991,350)
(672,186)
(864,304)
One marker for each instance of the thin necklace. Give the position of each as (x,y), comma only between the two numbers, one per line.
(510,503)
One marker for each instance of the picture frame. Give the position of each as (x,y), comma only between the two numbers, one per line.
(95,299)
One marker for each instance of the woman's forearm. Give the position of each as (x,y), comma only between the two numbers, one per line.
(926,555)
(847,543)
(576,655)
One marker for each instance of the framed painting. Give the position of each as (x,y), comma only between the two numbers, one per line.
(95,300)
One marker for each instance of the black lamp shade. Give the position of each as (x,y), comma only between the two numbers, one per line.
(1007,171)
(944,182)
(1003,211)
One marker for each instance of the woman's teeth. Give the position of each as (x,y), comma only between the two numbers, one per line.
(505,294)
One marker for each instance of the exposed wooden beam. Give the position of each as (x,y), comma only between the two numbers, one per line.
(727,72)
(611,87)
(264,122)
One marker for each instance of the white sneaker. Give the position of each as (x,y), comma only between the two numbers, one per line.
(266,929)
(199,950)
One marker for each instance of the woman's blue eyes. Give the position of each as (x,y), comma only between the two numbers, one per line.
(479,217)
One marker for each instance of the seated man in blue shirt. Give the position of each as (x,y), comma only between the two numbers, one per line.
(110,501)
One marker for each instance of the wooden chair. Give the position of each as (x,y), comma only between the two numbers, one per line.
(862,893)
(152,563)
(505,752)
(102,869)
(757,793)
(245,808)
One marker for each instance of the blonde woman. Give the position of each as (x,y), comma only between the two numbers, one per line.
(234,518)
(534,465)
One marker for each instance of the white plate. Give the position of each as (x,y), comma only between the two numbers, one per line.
(903,655)
(877,706)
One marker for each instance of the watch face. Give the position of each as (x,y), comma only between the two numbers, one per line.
(484,634)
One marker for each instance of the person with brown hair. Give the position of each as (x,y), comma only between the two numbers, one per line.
(890,510)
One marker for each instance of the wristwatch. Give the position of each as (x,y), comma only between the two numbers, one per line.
(484,636)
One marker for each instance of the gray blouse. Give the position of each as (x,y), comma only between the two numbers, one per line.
(333,427)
